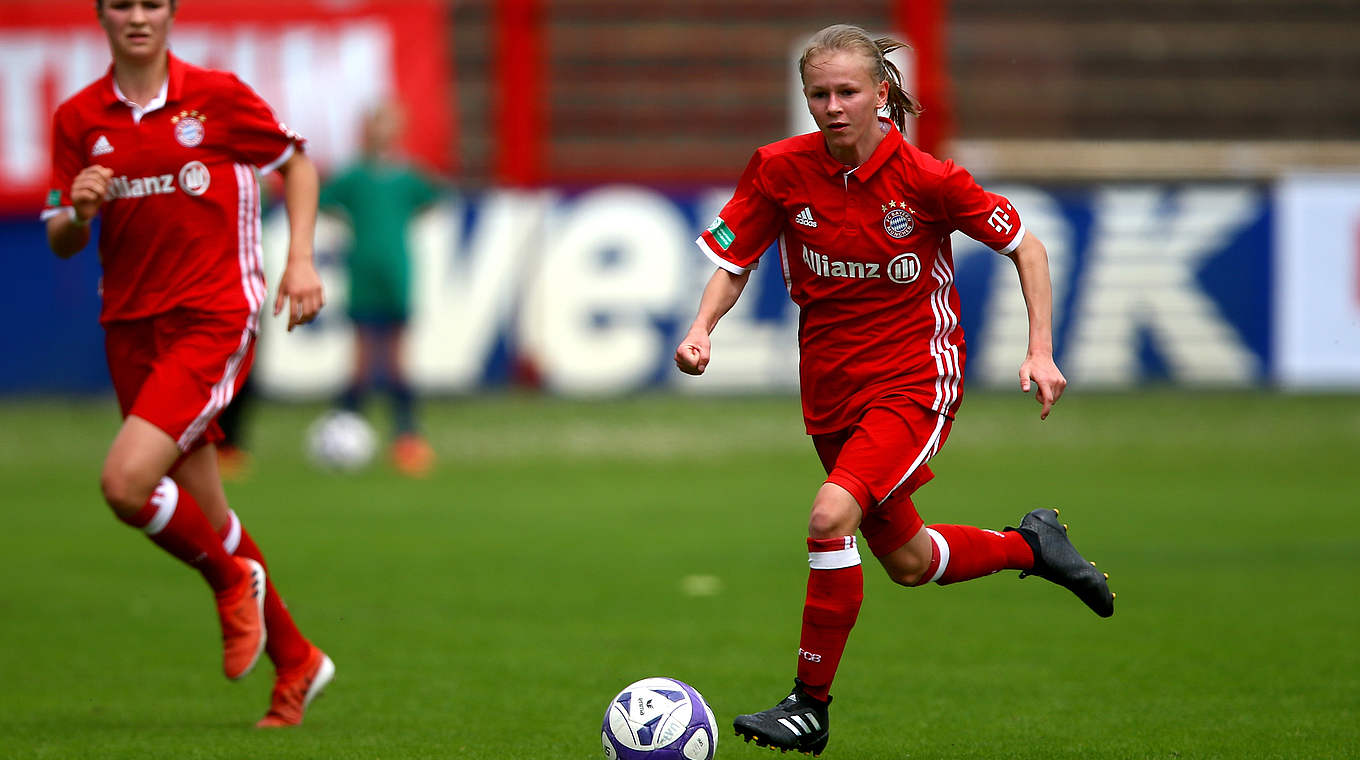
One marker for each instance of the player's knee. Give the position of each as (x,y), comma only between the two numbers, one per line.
(828,521)
(122,492)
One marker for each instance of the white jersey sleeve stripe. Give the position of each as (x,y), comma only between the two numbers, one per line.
(1015,241)
(280,161)
(718,260)
(48,213)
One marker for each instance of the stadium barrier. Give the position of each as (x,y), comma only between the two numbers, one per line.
(586,293)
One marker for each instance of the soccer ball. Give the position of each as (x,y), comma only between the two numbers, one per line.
(341,440)
(659,719)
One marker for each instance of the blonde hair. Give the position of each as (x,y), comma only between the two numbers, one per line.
(844,37)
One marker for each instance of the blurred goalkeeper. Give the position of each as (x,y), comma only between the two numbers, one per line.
(379,194)
(863,220)
(166,154)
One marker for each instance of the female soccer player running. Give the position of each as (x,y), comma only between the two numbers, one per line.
(863,221)
(167,152)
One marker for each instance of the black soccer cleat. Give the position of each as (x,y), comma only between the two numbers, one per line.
(798,723)
(1057,560)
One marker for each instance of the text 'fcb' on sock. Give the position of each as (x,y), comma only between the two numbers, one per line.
(286,646)
(962,552)
(173,521)
(835,592)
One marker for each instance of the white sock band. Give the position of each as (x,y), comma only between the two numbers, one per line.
(233,538)
(165,498)
(837,558)
(943,547)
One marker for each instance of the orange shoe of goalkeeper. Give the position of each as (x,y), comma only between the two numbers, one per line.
(412,455)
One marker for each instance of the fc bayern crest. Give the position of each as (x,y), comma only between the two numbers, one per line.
(189,128)
(898,223)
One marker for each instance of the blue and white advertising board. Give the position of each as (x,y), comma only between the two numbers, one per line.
(587,293)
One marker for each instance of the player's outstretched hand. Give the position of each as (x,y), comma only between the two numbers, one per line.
(88,190)
(1047,379)
(691,357)
(300,286)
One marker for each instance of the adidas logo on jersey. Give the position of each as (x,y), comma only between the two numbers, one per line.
(101,146)
(805,217)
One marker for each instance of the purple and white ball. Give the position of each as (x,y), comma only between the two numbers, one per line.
(659,719)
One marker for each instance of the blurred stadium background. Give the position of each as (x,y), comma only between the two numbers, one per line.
(1192,165)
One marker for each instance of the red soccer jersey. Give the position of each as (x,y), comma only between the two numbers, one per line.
(181,221)
(866,257)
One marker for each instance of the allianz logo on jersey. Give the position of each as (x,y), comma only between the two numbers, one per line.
(193,177)
(903,269)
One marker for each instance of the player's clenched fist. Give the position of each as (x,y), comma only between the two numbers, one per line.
(692,355)
(88,190)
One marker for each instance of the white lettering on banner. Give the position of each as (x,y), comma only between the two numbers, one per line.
(23,125)
(1140,275)
(315,359)
(318,78)
(1004,332)
(612,267)
(1317,271)
(596,290)
(463,298)
(752,354)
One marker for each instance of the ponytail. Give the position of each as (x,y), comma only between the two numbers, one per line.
(901,103)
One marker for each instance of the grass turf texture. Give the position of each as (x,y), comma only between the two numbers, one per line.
(492,610)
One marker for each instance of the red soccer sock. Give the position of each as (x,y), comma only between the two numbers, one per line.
(962,553)
(286,645)
(835,591)
(173,521)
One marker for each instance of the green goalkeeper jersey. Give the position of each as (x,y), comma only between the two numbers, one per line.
(380,199)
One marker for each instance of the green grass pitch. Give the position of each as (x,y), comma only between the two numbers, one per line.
(493,609)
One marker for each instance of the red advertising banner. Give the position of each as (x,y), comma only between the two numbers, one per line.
(320,63)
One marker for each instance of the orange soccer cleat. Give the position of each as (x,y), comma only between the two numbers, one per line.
(241,611)
(233,463)
(296,688)
(412,455)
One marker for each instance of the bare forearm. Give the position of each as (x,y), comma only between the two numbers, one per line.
(1031,263)
(67,237)
(720,295)
(300,188)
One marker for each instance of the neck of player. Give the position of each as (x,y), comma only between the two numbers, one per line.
(140,78)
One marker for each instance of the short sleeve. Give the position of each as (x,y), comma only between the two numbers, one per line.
(423,190)
(258,137)
(333,191)
(986,217)
(746,225)
(66,164)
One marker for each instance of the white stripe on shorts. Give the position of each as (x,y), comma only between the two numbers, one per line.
(220,395)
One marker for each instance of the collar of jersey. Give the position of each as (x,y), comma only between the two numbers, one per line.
(891,141)
(170,89)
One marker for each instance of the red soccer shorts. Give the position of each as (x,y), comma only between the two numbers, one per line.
(179,370)
(881,460)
